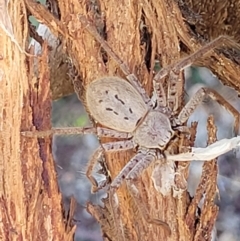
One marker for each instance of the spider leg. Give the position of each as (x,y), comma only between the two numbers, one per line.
(160,93)
(145,160)
(175,83)
(175,88)
(105,132)
(198,98)
(113,198)
(98,153)
(130,172)
(189,60)
(60,131)
(99,131)
(142,208)
(141,158)
(111,146)
(125,69)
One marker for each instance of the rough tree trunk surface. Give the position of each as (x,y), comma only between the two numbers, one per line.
(30,201)
(138,31)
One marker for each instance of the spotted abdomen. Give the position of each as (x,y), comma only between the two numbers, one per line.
(114,103)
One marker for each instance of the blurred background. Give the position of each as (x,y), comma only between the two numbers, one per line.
(73,152)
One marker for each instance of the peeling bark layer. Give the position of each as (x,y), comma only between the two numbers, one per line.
(140,32)
(30,202)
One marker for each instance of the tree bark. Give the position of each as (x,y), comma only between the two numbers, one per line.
(196,23)
(30,201)
(138,32)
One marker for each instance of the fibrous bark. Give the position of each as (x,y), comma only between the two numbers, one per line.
(196,23)
(30,202)
(139,32)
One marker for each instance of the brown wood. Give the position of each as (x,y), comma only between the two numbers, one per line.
(30,200)
(123,28)
(196,23)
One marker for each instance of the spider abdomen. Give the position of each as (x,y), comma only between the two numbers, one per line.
(115,103)
(154,131)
